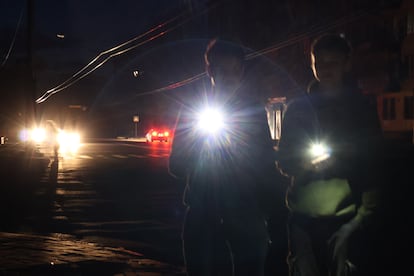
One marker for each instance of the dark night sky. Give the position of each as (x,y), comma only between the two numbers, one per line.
(89,28)
(93,26)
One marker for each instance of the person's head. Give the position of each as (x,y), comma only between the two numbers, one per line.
(224,64)
(330,60)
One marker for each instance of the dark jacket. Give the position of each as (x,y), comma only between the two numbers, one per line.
(349,123)
(235,169)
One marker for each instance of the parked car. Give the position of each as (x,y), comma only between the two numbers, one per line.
(158,135)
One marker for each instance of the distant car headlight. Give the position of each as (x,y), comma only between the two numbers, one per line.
(38,135)
(210,120)
(68,141)
(24,135)
(319,152)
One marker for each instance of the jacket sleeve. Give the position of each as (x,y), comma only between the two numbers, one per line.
(181,152)
(292,144)
(263,155)
(371,162)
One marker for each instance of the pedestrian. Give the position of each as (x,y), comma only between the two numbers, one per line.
(52,138)
(227,159)
(328,147)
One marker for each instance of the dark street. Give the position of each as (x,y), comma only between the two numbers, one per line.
(115,194)
(113,203)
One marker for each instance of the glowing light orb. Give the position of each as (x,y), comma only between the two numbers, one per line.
(319,152)
(211,120)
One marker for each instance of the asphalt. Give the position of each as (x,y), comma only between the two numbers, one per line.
(26,253)
(61,254)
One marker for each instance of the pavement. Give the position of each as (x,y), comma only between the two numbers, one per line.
(121,139)
(27,253)
(61,254)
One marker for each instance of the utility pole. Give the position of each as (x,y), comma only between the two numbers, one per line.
(30,94)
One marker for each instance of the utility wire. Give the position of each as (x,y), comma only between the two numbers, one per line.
(77,76)
(174,85)
(315,30)
(74,78)
(6,58)
(55,90)
(162,89)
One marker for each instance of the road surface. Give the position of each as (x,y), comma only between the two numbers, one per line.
(109,194)
(112,209)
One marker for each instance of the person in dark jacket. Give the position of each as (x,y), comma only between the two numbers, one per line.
(227,160)
(328,146)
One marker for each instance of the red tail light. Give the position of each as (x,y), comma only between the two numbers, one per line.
(154,133)
(166,133)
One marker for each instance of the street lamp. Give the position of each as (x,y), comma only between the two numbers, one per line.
(135,119)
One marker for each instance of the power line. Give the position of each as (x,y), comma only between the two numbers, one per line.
(314,30)
(174,85)
(78,76)
(55,90)
(6,58)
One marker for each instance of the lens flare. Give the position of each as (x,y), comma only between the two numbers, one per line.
(210,120)
(319,152)
(69,142)
(38,135)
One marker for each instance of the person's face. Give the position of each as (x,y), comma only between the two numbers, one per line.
(329,67)
(227,73)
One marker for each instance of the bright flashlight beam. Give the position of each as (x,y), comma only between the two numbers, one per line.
(210,120)
(320,158)
(320,152)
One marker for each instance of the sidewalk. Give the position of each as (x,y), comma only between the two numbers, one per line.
(60,254)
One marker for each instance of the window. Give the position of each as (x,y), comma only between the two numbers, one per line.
(409,65)
(410,24)
(409,107)
(388,109)
(385,109)
(402,28)
(392,109)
